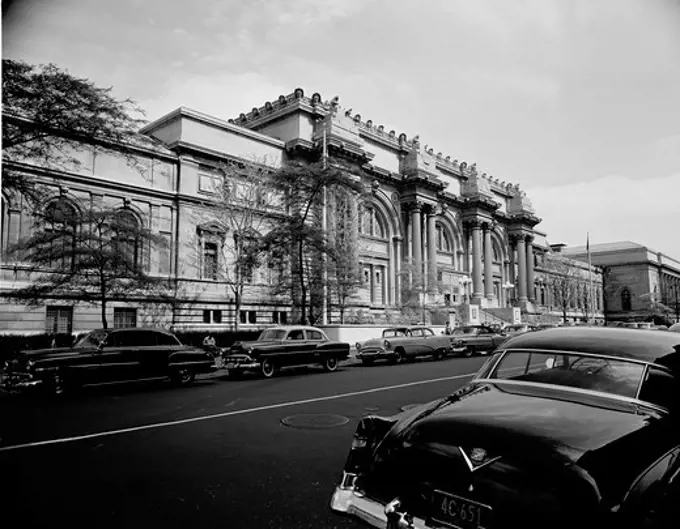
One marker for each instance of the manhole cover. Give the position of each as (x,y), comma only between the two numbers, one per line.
(312,421)
(409,407)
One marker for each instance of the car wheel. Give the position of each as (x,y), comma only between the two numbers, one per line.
(330,363)
(182,377)
(268,368)
(367,361)
(439,354)
(399,357)
(470,351)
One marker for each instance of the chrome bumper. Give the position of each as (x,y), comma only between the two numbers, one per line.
(347,500)
(18,381)
(241,366)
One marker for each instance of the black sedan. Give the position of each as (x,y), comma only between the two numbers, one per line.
(568,427)
(285,346)
(107,356)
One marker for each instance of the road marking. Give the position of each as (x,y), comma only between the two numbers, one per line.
(132,429)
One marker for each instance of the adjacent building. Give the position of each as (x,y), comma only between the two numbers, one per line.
(473,236)
(640,283)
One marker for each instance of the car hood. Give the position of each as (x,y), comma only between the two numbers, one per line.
(525,422)
(376,342)
(240,347)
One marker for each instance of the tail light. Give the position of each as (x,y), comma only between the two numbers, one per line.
(370,431)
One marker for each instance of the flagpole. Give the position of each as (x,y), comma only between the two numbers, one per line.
(590,277)
(324,227)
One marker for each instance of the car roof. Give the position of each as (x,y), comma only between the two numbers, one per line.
(133,329)
(293,328)
(637,344)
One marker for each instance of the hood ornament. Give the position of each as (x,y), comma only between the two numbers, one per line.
(477,458)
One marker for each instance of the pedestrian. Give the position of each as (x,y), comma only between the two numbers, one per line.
(208,341)
(447,329)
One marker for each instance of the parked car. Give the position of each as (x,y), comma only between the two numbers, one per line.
(563,428)
(285,346)
(470,340)
(106,356)
(401,343)
(519,328)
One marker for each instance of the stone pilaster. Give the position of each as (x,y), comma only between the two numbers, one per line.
(477,286)
(417,238)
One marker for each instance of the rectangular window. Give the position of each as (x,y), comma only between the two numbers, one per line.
(208,183)
(275,317)
(252,316)
(206,316)
(243,317)
(210,261)
(283,318)
(164,255)
(217,316)
(59,320)
(124,318)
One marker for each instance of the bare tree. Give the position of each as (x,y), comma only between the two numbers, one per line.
(563,278)
(242,207)
(94,255)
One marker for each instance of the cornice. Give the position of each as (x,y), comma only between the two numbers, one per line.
(183,112)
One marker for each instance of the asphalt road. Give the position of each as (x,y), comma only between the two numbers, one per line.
(215,454)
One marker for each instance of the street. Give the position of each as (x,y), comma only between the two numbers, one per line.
(215,454)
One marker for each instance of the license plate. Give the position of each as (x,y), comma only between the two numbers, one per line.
(230,365)
(454,511)
(219,362)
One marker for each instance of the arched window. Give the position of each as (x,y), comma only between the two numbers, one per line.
(443,240)
(625,300)
(371,223)
(126,238)
(61,220)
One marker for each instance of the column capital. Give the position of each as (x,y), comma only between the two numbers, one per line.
(529,239)
(470,224)
(489,225)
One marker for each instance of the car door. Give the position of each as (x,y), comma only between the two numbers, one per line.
(484,341)
(154,352)
(293,348)
(429,341)
(119,355)
(415,343)
(314,340)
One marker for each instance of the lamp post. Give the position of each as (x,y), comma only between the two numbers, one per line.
(465,281)
(507,286)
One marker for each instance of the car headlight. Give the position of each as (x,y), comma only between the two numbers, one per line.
(29,365)
(386,344)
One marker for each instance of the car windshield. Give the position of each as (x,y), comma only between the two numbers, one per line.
(574,370)
(272,334)
(91,339)
(515,327)
(465,330)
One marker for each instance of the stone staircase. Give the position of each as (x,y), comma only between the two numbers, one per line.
(488,315)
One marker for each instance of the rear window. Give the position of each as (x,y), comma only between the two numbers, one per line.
(606,375)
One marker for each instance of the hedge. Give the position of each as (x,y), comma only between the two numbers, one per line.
(11,344)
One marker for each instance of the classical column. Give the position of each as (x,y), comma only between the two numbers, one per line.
(354,215)
(432,249)
(522,272)
(512,276)
(477,287)
(397,271)
(488,262)
(530,268)
(417,233)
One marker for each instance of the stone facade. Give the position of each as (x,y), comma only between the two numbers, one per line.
(471,237)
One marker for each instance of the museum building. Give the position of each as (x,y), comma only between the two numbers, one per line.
(473,237)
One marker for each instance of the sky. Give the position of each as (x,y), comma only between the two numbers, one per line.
(577,101)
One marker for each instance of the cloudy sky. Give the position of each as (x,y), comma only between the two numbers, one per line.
(575,100)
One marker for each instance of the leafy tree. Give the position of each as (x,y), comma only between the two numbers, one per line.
(298,241)
(49,116)
(95,255)
(240,210)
